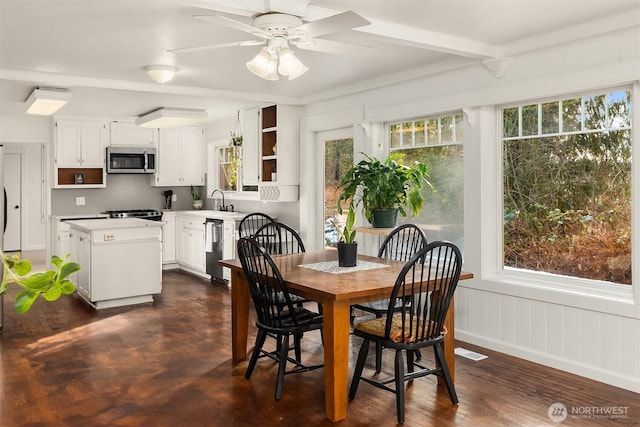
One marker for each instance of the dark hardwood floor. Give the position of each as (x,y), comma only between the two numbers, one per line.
(169,364)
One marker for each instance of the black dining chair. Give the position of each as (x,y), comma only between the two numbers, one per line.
(278,238)
(252,222)
(399,245)
(433,272)
(273,317)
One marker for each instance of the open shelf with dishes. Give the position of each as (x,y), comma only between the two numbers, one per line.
(279,159)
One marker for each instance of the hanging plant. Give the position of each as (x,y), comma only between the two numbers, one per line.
(236,134)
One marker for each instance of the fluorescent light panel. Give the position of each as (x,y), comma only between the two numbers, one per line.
(46,101)
(171,118)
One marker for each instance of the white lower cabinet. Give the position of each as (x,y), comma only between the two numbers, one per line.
(80,247)
(63,240)
(190,243)
(185,240)
(168,238)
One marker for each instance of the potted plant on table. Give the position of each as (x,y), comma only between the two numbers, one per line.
(347,246)
(385,188)
(196,195)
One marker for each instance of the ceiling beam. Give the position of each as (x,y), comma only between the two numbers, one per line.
(430,40)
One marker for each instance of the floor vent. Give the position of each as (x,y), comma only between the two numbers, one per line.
(469,354)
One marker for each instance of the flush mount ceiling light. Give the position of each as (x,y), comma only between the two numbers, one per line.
(276,59)
(171,118)
(46,100)
(161,73)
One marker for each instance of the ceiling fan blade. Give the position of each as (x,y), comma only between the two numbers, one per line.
(333,24)
(215,46)
(233,23)
(330,46)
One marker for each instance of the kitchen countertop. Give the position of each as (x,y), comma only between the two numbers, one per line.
(112,223)
(71,217)
(210,214)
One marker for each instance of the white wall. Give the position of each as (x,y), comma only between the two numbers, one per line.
(590,336)
(31,137)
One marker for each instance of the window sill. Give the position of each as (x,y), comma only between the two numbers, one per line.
(571,292)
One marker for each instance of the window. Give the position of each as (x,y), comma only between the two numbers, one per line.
(338,158)
(567,186)
(228,167)
(437,142)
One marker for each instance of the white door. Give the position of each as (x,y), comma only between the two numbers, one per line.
(335,148)
(13,189)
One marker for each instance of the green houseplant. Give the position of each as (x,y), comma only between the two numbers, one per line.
(347,246)
(196,195)
(50,284)
(385,188)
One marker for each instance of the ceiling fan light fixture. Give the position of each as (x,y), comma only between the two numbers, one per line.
(300,71)
(258,65)
(161,73)
(272,70)
(289,64)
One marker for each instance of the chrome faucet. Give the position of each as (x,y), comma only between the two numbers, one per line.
(223,207)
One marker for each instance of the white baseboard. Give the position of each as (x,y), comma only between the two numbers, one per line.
(577,368)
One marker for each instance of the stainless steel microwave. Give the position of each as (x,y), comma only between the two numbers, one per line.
(131,160)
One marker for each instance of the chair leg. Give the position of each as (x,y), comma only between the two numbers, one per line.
(256,352)
(410,356)
(284,350)
(357,372)
(442,362)
(297,338)
(418,354)
(399,386)
(378,357)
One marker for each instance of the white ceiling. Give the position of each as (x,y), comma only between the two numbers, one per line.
(95,46)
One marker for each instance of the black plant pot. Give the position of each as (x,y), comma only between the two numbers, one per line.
(347,254)
(384,218)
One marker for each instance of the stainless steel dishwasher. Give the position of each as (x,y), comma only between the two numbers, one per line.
(214,245)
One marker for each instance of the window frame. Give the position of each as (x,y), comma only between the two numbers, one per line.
(571,291)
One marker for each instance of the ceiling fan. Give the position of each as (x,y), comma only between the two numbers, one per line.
(276,31)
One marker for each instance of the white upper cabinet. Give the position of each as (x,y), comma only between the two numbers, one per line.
(80,143)
(180,157)
(128,134)
(79,153)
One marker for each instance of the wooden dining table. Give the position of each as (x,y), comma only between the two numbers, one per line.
(315,275)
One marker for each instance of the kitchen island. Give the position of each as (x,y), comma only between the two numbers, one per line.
(120,259)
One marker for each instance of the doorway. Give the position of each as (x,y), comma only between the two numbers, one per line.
(335,147)
(13,191)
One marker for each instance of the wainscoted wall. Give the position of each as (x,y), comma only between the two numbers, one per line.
(602,346)
(594,336)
